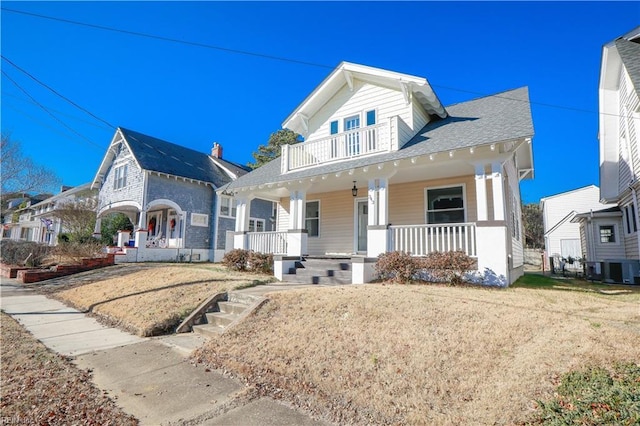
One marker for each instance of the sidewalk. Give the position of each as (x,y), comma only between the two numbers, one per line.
(150,378)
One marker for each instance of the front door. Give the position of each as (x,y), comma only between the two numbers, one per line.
(362,221)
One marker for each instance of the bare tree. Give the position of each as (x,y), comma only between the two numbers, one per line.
(78,216)
(19,173)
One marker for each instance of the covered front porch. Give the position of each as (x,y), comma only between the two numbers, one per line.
(417,205)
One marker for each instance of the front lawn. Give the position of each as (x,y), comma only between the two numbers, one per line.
(156,299)
(409,354)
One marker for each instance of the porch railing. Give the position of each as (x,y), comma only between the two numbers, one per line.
(354,143)
(267,242)
(420,240)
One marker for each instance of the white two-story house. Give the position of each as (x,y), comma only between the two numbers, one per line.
(385,166)
(610,237)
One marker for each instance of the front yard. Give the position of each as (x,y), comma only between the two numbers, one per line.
(155,299)
(393,354)
(397,354)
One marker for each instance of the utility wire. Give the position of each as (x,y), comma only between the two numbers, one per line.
(284,59)
(90,123)
(49,112)
(173,40)
(56,92)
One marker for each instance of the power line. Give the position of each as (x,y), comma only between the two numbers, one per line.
(173,40)
(284,59)
(56,92)
(36,120)
(47,111)
(90,123)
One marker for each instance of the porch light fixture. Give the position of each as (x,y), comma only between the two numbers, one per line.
(354,190)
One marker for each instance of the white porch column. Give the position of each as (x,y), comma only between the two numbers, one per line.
(372,203)
(142,220)
(481,193)
(242,223)
(498,191)
(297,236)
(377,232)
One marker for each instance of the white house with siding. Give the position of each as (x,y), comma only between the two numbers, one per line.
(561,235)
(385,166)
(619,130)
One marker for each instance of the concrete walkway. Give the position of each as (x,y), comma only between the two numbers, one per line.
(150,378)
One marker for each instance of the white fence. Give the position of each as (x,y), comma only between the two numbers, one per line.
(420,240)
(267,242)
(354,143)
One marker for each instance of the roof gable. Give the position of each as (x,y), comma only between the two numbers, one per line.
(346,72)
(156,155)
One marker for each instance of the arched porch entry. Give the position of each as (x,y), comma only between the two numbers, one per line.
(165,224)
(130,209)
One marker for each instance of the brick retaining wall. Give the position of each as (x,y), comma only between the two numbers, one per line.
(27,276)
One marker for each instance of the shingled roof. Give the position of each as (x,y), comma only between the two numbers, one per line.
(630,54)
(160,156)
(501,117)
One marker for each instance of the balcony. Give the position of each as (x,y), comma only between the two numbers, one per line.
(342,146)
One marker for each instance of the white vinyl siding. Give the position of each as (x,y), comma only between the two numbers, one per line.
(420,117)
(363,98)
(628,158)
(558,207)
(514,213)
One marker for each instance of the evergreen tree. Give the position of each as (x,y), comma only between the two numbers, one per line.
(273,148)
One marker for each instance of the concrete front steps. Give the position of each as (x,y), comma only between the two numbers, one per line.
(325,270)
(225,313)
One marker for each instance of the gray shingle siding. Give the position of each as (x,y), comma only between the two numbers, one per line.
(135,181)
(262,209)
(224,224)
(192,198)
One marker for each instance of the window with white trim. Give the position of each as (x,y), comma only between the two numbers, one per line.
(256,225)
(445,205)
(312,218)
(227,206)
(120,176)
(607,234)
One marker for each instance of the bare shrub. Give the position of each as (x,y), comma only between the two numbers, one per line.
(260,262)
(236,259)
(397,266)
(75,251)
(26,253)
(450,267)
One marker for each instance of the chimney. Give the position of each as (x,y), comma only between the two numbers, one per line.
(216,151)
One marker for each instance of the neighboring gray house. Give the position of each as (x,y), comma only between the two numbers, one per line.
(169,193)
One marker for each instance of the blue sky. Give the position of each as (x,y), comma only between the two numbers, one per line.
(194,96)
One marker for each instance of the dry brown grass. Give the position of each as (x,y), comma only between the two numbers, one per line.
(425,354)
(41,387)
(154,300)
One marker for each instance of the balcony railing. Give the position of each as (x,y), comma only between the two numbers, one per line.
(420,240)
(351,144)
(267,242)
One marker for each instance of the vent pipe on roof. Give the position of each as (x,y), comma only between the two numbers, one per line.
(216,151)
